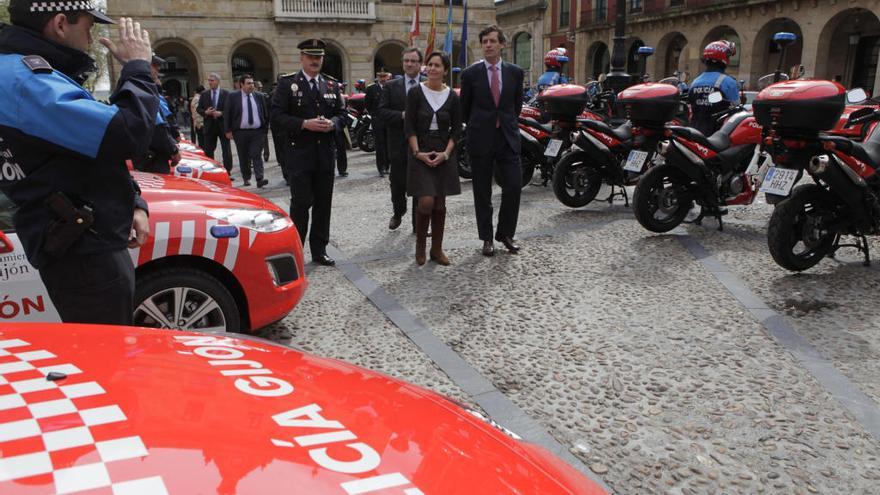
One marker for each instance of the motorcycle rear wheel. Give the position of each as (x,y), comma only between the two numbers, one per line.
(657,201)
(366,140)
(575,181)
(795,235)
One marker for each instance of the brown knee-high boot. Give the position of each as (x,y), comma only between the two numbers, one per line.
(421,236)
(438,225)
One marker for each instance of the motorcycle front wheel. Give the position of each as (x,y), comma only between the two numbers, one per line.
(366,140)
(659,201)
(576,182)
(797,235)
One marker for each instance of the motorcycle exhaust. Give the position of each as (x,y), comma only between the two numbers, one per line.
(819,164)
(663,147)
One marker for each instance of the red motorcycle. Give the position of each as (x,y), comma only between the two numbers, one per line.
(616,156)
(714,171)
(845,197)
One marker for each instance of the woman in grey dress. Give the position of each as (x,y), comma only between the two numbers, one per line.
(432,125)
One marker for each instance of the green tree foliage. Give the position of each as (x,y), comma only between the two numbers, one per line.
(4,14)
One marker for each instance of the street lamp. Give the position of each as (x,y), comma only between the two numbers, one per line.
(618,80)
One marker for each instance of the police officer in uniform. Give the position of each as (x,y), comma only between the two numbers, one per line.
(716,56)
(307,107)
(164,152)
(79,210)
(380,134)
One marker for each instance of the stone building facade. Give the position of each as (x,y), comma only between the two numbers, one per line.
(232,37)
(839,39)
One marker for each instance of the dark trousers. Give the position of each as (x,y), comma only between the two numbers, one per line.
(313,190)
(92,288)
(249,143)
(507,162)
(192,133)
(341,152)
(211,137)
(398,188)
(266,146)
(278,142)
(381,147)
(199,138)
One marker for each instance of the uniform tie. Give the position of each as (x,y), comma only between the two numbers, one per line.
(315,86)
(250,110)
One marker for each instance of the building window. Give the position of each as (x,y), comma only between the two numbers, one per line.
(676,3)
(522,51)
(601,10)
(564,14)
(635,5)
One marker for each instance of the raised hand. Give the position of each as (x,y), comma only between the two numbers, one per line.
(133,42)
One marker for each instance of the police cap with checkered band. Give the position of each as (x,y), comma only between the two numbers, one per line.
(32,7)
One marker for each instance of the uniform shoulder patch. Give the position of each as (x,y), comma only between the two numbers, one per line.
(37,64)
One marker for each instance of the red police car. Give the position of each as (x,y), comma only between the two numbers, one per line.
(218,259)
(102,409)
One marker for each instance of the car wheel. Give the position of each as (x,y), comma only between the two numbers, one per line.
(185,299)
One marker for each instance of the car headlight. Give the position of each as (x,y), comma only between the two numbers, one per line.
(265,221)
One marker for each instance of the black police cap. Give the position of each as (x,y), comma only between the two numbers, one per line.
(32,7)
(312,46)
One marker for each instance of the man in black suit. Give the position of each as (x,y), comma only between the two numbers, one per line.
(245,119)
(307,107)
(211,104)
(258,87)
(391,111)
(491,99)
(371,103)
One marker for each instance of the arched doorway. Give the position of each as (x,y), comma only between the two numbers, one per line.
(849,47)
(766,53)
(255,58)
(389,56)
(729,34)
(634,64)
(669,55)
(522,52)
(334,62)
(180,73)
(600,60)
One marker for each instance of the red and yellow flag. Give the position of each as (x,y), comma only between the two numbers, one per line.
(414,27)
(433,32)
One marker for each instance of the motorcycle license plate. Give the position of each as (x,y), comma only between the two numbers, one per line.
(779,181)
(553,148)
(636,161)
(354,123)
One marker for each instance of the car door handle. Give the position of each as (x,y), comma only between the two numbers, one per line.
(5,244)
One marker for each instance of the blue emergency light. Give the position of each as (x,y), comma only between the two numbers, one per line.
(783,37)
(224,231)
(646,50)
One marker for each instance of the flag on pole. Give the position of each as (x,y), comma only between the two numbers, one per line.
(414,27)
(463,58)
(432,34)
(447,43)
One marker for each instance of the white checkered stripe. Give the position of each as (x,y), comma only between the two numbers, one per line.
(61,6)
(33,449)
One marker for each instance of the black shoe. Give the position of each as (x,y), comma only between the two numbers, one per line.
(343,174)
(246,183)
(395,222)
(231,179)
(262,182)
(509,243)
(488,248)
(324,260)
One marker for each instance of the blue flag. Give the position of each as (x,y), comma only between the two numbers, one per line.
(447,43)
(463,58)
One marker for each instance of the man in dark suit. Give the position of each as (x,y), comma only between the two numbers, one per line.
(491,99)
(391,111)
(211,104)
(245,120)
(278,136)
(307,107)
(371,103)
(258,87)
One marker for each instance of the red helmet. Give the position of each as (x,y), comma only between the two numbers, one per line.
(360,84)
(555,58)
(719,51)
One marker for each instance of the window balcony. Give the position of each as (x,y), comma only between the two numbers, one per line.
(329,11)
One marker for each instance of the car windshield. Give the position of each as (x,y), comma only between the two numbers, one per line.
(769,79)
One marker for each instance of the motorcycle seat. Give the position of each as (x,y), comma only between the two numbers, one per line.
(622,132)
(717,142)
(867,151)
(528,121)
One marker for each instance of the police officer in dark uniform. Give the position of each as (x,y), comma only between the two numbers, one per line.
(307,107)
(163,152)
(380,134)
(79,210)
(716,56)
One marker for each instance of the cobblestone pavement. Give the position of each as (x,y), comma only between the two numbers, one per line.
(681,363)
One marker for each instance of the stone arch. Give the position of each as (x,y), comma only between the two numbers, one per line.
(255,57)
(522,48)
(182,69)
(848,49)
(724,32)
(599,60)
(336,61)
(765,53)
(389,55)
(671,55)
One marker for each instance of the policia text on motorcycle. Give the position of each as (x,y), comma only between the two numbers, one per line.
(78,207)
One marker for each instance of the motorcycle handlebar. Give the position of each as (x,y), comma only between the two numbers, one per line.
(875,115)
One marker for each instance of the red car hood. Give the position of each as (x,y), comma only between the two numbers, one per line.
(203,414)
(180,194)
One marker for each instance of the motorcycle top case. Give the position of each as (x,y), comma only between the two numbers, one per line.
(650,103)
(564,101)
(357,101)
(800,105)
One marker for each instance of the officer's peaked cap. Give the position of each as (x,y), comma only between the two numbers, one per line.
(60,7)
(312,46)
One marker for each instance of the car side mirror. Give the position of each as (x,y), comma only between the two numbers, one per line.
(857,95)
(715,97)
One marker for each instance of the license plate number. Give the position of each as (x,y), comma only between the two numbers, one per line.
(354,123)
(553,148)
(779,181)
(636,161)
